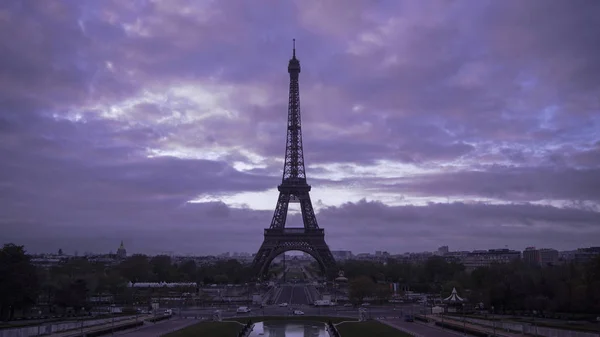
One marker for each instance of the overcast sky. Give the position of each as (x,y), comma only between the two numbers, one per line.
(473,124)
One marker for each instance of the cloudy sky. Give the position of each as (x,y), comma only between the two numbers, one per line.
(473,124)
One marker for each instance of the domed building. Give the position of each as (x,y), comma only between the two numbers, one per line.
(121,252)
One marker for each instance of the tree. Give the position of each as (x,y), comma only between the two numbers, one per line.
(136,268)
(383,292)
(19,283)
(221,279)
(188,270)
(72,294)
(360,288)
(163,269)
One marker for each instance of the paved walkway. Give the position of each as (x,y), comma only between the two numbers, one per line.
(89,329)
(420,329)
(160,328)
(489,330)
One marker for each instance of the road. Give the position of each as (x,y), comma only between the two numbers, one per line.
(293,295)
(275,310)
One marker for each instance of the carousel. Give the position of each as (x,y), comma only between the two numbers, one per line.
(454,303)
(340,285)
(341,278)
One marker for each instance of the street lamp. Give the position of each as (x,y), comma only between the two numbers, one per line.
(112,317)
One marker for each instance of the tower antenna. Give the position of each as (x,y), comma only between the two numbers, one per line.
(294,46)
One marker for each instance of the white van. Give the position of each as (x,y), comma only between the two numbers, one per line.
(243,310)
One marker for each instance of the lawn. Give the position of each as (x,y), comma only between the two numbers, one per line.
(369,328)
(212,329)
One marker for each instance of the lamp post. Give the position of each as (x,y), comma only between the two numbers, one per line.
(464,321)
(112,317)
(82,325)
(284,270)
(442,321)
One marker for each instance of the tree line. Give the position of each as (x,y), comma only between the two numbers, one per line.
(515,286)
(511,287)
(73,283)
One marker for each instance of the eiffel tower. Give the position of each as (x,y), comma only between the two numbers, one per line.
(294,189)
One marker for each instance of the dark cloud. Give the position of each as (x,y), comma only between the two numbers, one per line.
(460,225)
(508,183)
(113,115)
(362,226)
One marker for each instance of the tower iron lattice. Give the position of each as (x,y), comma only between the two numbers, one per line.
(294,189)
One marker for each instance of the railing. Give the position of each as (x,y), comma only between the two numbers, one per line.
(333,331)
(246,329)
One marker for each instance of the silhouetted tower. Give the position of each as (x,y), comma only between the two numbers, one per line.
(294,188)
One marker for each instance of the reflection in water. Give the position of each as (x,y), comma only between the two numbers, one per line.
(289,329)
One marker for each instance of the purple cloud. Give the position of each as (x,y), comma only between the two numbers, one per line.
(163,122)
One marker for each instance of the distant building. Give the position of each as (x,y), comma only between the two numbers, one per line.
(484,258)
(341,254)
(531,256)
(586,254)
(540,257)
(567,256)
(443,250)
(548,257)
(457,257)
(121,252)
(48,260)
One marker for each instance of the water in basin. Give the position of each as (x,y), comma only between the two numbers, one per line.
(289,329)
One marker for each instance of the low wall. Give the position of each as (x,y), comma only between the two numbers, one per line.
(333,331)
(525,328)
(54,327)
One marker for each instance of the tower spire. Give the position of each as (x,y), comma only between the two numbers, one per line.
(294,158)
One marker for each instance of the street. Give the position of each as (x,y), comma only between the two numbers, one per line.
(293,295)
(276,310)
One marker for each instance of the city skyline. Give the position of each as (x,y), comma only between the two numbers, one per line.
(460,123)
(234,254)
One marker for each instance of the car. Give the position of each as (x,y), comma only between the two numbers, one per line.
(348,304)
(283,304)
(243,310)
(298,312)
(409,318)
